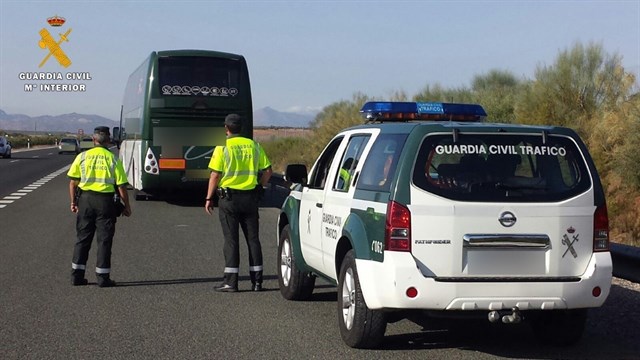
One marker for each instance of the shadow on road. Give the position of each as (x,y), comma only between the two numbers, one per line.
(274,197)
(184,281)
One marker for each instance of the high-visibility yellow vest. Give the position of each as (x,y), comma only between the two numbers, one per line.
(239,162)
(346,178)
(98,170)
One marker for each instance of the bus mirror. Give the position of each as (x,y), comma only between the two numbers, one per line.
(118,136)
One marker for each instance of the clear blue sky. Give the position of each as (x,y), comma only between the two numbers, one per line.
(304,54)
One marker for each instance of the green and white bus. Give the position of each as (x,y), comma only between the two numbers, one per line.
(173,114)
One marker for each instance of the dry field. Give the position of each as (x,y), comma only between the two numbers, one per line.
(269,134)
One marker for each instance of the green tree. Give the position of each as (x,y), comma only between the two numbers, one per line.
(438,93)
(334,118)
(583,82)
(614,142)
(496,91)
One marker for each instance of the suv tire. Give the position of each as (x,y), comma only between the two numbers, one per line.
(294,284)
(360,327)
(559,327)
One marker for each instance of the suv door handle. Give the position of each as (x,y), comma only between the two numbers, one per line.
(319,205)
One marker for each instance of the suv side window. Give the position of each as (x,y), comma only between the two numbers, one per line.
(380,165)
(350,160)
(318,177)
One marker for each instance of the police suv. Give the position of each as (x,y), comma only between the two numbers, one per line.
(427,210)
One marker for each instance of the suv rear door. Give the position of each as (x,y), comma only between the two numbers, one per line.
(501,205)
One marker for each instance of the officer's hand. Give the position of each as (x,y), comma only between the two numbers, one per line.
(208,207)
(127,211)
(74,208)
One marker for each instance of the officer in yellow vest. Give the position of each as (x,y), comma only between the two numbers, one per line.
(345,174)
(95,176)
(235,168)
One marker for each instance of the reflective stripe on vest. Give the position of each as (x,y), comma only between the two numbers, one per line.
(83,172)
(227,162)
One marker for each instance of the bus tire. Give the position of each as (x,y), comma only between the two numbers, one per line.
(139,195)
(360,327)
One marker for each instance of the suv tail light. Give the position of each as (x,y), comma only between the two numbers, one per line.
(397,231)
(601,229)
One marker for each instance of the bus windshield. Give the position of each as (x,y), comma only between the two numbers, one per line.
(198,76)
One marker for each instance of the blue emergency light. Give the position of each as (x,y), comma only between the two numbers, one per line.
(406,111)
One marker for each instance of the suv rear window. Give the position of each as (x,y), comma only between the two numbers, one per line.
(501,168)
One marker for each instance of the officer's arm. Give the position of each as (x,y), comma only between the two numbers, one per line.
(124,195)
(73,186)
(214,180)
(266,175)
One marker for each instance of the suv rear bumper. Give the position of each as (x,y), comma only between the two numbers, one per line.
(384,286)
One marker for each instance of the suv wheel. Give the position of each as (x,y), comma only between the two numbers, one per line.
(294,284)
(360,327)
(559,327)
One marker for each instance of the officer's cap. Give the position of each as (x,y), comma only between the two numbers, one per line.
(233,120)
(101,130)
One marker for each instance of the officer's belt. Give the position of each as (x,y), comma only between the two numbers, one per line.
(91,192)
(236,191)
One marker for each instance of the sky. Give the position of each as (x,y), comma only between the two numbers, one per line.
(302,55)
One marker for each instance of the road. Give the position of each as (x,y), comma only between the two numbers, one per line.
(167,259)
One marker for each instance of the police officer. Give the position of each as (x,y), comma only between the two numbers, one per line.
(95,176)
(235,168)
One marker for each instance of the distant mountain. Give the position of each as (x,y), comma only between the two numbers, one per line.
(60,123)
(268,117)
(265,117)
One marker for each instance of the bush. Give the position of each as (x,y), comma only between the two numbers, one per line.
(22,141)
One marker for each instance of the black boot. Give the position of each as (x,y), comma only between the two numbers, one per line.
(256,280)
(230,283)
(77,277)
(104,280)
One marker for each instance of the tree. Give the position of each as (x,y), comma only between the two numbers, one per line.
(496,91)
(583,82)
(437,93)
(333,118)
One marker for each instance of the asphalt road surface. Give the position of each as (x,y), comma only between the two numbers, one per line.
(167,258)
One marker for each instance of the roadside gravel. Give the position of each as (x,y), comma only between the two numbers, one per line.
(627,284)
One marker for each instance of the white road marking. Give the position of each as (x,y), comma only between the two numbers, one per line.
(4,202)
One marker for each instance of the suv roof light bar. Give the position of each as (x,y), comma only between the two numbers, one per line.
(407,111)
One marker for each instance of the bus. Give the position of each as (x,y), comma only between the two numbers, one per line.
(172,117)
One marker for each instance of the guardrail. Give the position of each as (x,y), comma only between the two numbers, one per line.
(626,262)
(626,259)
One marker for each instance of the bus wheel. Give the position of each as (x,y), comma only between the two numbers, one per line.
(139,195)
